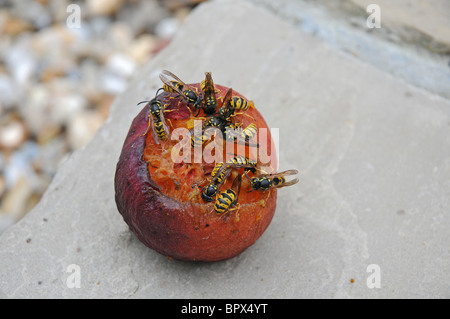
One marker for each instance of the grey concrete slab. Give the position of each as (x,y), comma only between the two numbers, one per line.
(429,18)
(401,46)
(372,205)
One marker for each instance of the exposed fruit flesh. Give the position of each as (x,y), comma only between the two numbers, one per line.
(178,180)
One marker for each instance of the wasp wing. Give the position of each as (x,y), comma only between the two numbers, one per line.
(165,127)
(209,94)
(285,173)
(163,77)
(173,76)
(152,125)
(247,134)
(282,175)
(289,183)
(227,99)
(224,177)
(171,84)
(237,187)
(208,87)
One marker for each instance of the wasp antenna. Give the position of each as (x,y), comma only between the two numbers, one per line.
(157,92)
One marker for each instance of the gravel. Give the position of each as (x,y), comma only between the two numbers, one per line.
(61,65)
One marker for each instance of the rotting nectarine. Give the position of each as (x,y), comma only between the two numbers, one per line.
(161,202)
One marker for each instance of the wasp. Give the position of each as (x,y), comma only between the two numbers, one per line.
(217,172)
(160,130)
(209,192)
(232,104)
(197,140)
(235,131)
(220,173)
(218,177)
(249,132)
(226,111)
(269,181)
(178,86)
(241,104)
(174,87)
(240,161)
(228,198)
(209,94)
(222,170)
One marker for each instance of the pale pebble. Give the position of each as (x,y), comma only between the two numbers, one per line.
(82,127)
(12,134)
(121,64)
(104,7)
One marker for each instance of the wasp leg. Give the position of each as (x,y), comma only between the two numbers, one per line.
(226,214)
(197,184)
(243,113)
(170,123)
(148,127)
(171,97)
(167,111)
(238,207)
(157,92)
(264,201)
(142,102)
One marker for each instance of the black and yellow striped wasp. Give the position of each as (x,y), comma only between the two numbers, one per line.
(240,161)
(157,122)
(216,182)
(176,85)
(218,177)
(229,198)
(209,95)
(268,181)
(222,170)
(220,173)
(226,112)
(233,130)
(197,140)
(236,132)
(241,104)
(249,132)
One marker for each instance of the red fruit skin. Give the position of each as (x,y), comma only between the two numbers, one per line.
(184,231)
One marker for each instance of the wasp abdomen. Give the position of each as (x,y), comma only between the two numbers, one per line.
(225,200)
(249,132)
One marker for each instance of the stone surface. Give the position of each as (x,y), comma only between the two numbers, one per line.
(374,157)
(430,18)
(402,46)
